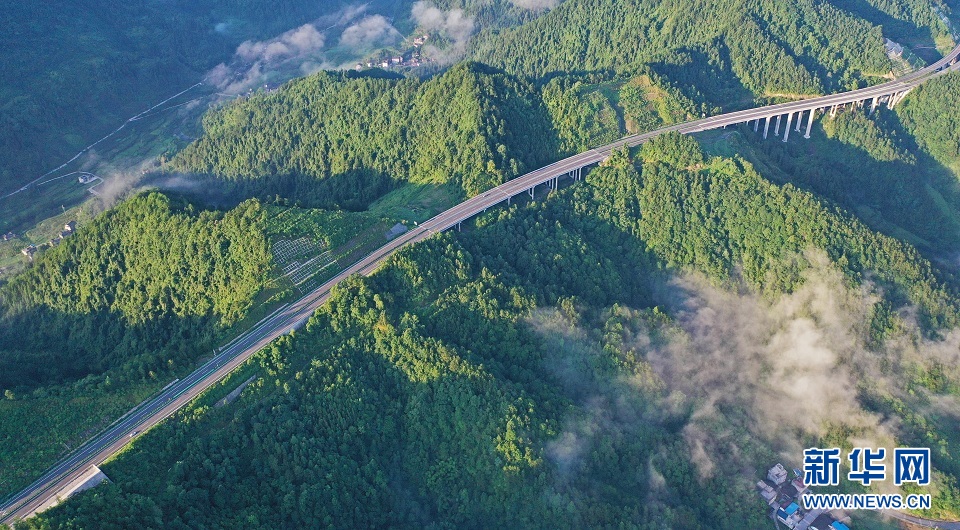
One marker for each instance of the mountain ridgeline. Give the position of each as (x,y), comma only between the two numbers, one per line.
(341,140)
(137,286)
(761,49)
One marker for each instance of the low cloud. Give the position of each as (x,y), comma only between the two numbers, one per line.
(301,50)
(752,376)
(454,25)
(792,366)
(296,42)
(371,31)
(344,16)
(535,5)
(253,59)
(568,449)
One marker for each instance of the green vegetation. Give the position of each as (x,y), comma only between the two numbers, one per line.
(99,321)
(928,113)
(895,172)
(341,140)
(503,377)
(517,374)
(415,202)
(727,217)
(772,48)
(582,114)
(428,404)
(13,261)
(592,110)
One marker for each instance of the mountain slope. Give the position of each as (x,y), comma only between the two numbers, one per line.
(97,323)
(331,135)
(785,48)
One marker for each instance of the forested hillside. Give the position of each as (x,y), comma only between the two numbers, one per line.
(929,113)
(589,110)
(771,49)
(514,375)
(135,296)
(340,140)
(728,218)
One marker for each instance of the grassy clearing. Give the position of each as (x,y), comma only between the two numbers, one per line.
(415,202)
(33,206)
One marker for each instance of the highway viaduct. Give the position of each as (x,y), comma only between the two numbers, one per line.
(294,315)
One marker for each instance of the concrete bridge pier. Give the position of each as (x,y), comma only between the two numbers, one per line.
(904,94)
(876,103)
(813,112)
(786,130)
(833,112)
(756,125)
(776,129)
(766,126)
(897,98)
(530,191)
(799,119)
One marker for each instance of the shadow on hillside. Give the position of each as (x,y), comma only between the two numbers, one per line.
(901,31)
(353,190)
(46,348)
(705,77)
(916,202)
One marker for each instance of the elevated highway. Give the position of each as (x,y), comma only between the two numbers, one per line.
(294,315)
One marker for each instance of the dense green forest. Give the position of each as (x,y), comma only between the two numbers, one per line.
(895,172)
(504,377)
(768,48)
(136,296)
(928,113)
(341,140)
(728,218)
(595,109)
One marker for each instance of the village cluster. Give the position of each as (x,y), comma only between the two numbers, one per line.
(784,496)
(411,57)
(30,250)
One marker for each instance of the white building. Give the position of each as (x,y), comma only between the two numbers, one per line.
(777,474)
